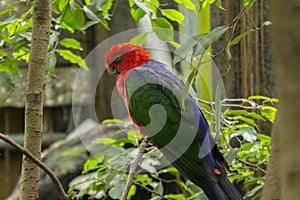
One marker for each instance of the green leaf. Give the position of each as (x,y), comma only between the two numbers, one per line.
(264,138)
(208,39)
(62,5)
(238,38)
(144,179)
(248,133)
(245,2)
(118,121)
(157,187)
(198,43)
(10,8)
(231,155)
(143,6)
(139,39)
(173,15)
(105,140)
(264,98)
(107,6)
(8,64)
(9,20)
(21,43)
(132,191)
(71,43)
(168,170)
(89,24)
(185,91)
(7,81)
(116,191)
(268,112)
(69,18)
(218,107)
(188,4)
(136,12)
(93,13)
(219,4)
(176,196)
(26,35)
(163,29)
(51,63)
(53,39)
(75,59)
(241,36)
(253,191)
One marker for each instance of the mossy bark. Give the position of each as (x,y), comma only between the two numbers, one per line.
(35,97)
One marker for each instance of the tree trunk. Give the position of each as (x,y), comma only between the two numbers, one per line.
(34,98)
(286,34)
(272,183)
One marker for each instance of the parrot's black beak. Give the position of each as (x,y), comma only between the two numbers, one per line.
(114,72)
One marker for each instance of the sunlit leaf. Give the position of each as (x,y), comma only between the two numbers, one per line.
(132,191)
(70,43)
(136,12)
(264,138)
(70,56)
(163,29)
(173,15)
(72,10)
(143,6)
(118,121)
(106,6)
(268,112)
(188,4)
(105,140)
(176,196)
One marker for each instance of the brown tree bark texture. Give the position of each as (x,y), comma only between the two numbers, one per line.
(272,188)
(286,33)
(34,98)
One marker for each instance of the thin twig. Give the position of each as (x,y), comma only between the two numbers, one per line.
(133,167)
(42,165)
(252,165)
(149,190)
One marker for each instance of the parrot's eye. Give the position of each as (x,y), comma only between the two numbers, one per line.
(118,59)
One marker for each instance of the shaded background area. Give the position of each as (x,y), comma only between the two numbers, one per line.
(251,74)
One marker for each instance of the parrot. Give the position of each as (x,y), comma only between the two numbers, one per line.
(152,94)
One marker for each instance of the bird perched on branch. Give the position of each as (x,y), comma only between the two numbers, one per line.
(153,97)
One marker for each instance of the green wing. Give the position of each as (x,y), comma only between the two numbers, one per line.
(154,102)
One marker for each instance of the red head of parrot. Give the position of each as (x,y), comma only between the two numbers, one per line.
(123,57)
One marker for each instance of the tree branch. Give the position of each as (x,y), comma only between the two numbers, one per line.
(42,165)
(149,190)
(133,166)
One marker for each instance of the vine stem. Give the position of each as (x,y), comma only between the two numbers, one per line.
(132,169)
(42,165)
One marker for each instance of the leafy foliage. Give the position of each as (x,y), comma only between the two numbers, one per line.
(16,29)
(236,128)
(245,150)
